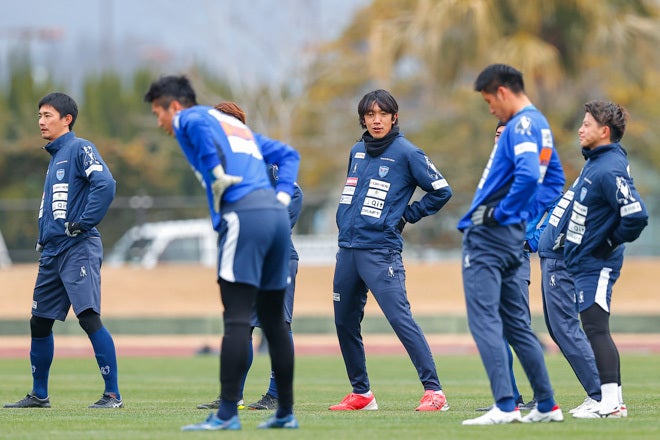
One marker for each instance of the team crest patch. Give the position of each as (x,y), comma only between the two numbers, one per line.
(583,194)
(60,174)
(383,170)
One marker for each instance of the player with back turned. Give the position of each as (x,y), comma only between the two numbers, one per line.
(253,254)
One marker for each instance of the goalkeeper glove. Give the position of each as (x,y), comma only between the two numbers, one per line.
(72,229)
(284,198)
(484,215)
(220,183)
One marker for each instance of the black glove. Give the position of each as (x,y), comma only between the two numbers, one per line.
(39,247)
(72,229)
(605,249)
(484,215)
(401,224)
(559,242)
(526,247)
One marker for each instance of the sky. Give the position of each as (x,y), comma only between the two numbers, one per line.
(250,42)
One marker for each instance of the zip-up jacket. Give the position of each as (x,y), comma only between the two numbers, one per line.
(555,224)
(78,188)
(606,206)
(377,191)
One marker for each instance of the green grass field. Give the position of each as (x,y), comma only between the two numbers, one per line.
(160,395)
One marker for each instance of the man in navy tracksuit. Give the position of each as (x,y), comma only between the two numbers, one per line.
(384,170)
(78,191)
(560,308)
(494,232)
(607,211)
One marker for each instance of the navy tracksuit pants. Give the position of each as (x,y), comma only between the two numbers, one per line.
(495,307)
(382,272)
(561,314)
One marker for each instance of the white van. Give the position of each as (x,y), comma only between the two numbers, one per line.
(5,261)
(177,241)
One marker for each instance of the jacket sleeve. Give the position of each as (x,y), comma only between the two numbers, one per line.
(102,186)
(285,157)
(295,206)
(626,201)
(427,177)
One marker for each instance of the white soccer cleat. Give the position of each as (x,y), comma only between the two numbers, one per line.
(536,416)
(495,417)
(599,412)
(589,404)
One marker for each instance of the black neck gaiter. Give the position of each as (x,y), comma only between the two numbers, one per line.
(376,147)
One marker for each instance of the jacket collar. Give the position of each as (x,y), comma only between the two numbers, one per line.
(57,144)
(588,154)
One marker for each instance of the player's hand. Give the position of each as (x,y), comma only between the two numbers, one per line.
(559,242)
(72,229)
(526,247)
(484,215)
(39,247)
(220,184)
(401,224)
(283,198)
(605,249)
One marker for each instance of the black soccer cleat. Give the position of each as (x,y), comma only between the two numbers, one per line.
(107,401)
(266,402)
(30,401)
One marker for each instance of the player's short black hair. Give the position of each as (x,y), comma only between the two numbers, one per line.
(63,103)
(169,88)
(610,114)
(385,101)
(499,124)
(499,75)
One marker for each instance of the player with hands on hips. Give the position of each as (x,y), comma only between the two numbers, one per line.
(606,212)
(384,169)
(78,191)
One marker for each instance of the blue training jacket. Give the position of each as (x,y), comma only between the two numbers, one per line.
(377,191)
(209,138)
(78,188)
(523,158)
(606,206)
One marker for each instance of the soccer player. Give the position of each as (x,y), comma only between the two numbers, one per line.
(254,233)
(607,211)
(384,170)
(560,308)
(77,194)
(493,234)
(269,399)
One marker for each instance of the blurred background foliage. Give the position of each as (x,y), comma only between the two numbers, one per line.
(426,52)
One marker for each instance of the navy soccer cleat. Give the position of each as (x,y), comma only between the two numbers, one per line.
(213,423)
(107,401)
(30,401)
(288,422)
